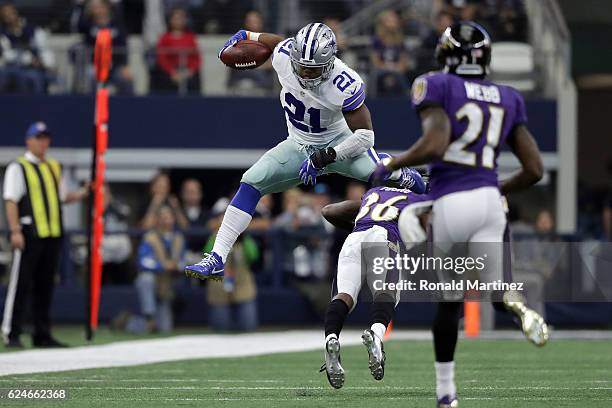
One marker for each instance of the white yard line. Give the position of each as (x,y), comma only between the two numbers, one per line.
(187,347)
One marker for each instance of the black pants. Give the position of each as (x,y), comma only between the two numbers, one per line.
(39,262)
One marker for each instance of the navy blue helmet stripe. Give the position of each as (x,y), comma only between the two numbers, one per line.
(306,40)
(314,40)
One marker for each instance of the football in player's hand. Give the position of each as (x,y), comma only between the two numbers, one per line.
(246,54)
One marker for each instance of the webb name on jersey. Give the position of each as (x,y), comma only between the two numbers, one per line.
(315,117)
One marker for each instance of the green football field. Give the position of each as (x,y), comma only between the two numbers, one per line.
(490,373)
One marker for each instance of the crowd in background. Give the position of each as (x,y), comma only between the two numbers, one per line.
(147,245)
(401,46)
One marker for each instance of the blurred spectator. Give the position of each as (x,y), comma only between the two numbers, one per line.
(116,245)
(98,15)
(160,261)
(193,215)
(470,11)
(310,243)
(232,301)
(159,191)
(341,41)
(262,218)
(427,62)
(389,55)
(178,57)
(509,23)
(535,257)
(25,59)
(545,223)
(321,198)
(252,81)
(223,16)
(261,222)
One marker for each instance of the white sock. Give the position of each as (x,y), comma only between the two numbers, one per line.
(379,330)
(330,336)
(445,379)
(235,221)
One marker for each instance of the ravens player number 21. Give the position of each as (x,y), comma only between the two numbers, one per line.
(465,119)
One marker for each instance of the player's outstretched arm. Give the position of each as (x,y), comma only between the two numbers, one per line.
(342,215)
(271,40)
(431,145)
(525,148)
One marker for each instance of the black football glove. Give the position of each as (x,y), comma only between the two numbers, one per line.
(322,157)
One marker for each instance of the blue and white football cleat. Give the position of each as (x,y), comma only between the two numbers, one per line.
(376,354)
(332,366)
(210,267)
(448,402)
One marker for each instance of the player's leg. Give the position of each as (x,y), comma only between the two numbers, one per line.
(277,170)
(445,330)
(384,300)
(454,218)
(348,281)
(494,239)
(382,311)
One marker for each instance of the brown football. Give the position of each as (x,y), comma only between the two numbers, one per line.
(246,54)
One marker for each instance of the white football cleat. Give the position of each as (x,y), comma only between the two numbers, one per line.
(532,324)
(332,367)
(376,354)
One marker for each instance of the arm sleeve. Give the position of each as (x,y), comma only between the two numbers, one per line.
(427,90)
(361,141)
(14,187)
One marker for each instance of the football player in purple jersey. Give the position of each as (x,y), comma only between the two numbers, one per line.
(375,234)
(465,120)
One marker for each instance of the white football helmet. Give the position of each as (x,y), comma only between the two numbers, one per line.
(313,54)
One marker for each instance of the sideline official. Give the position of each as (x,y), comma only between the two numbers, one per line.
(33,195)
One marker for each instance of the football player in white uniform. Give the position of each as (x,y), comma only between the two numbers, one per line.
(329,127)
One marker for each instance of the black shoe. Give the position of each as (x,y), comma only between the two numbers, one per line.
(48,343)
(13,343)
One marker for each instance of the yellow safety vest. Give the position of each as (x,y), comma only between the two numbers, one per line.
(42,181)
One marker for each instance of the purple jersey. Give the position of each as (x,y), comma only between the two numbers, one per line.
(482,115)
(382,206)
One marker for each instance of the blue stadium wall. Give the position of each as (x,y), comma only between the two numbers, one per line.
(212,122)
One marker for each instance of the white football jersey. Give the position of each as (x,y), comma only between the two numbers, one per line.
(315,117)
